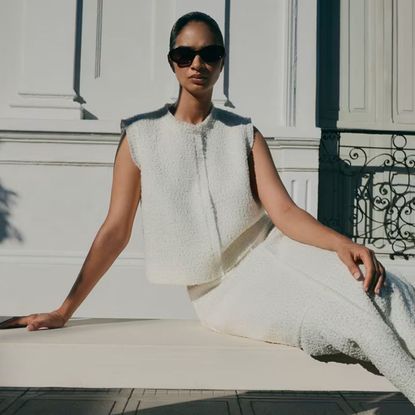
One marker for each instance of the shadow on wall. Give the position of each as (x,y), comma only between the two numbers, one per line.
(328,63)
(7,201)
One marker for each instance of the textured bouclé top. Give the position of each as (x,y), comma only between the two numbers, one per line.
(199,215)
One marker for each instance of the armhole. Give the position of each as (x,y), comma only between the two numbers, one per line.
(250,143)
(250,135)
(130,131)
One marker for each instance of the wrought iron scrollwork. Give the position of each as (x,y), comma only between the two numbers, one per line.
(367,192)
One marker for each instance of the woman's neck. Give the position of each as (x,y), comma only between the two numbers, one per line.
(191,109)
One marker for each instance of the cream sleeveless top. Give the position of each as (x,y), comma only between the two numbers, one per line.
(199,215)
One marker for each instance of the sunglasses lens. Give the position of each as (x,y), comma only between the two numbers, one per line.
(212,53)
(182,55)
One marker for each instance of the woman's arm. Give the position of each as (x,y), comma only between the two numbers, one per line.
(114,233)
(298,224)
(286,215)
(111,239)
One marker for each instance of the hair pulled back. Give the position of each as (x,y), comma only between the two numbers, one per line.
(195,16)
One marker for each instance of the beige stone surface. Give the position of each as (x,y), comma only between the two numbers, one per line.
(166,354)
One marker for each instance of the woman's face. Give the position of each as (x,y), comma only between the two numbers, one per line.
(197,35)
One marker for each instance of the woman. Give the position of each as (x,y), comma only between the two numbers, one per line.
(218,219)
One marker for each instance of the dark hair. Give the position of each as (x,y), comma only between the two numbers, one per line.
(195,17)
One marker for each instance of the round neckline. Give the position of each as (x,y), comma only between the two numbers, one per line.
(205,123)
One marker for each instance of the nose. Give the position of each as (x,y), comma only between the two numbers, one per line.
(197,61)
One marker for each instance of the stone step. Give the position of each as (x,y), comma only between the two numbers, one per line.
(170,354)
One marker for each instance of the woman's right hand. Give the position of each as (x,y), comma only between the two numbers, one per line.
(53,320)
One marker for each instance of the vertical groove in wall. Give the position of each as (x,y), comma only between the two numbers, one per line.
(294,190)
(78,51)
(172,81)
(394,69)
(411,61)
(21,48)
(307,202)
(152,66)
(406,100)
(366,46)
(226,39)
(396,41)
(292,10)
(348,58)
(98,38)
(404,60)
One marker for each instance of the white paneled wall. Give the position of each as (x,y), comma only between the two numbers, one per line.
(66,82)
(403,63)
(42,79)
(366,81)
(377,64)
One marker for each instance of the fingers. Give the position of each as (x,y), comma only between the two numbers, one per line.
(352,265)
(16,322)
(382,277)
(375,272)
(13,323)
(36,323)
(31,321)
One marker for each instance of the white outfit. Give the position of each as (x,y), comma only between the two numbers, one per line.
(199,215)
(278,290)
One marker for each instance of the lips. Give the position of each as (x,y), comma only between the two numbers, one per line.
(198,77)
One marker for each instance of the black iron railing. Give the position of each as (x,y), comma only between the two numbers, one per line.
(367,188)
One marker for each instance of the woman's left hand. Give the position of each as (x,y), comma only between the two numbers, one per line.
(352,254)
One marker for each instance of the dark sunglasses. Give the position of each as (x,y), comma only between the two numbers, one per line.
(184,55)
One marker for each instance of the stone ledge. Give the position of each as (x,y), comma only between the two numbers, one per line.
(170,354)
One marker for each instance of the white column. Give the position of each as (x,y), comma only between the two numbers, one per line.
(302,44)
(296,143)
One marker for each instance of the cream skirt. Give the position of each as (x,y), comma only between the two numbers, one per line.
(287,292)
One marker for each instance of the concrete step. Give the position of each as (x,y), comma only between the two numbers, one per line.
(168,354)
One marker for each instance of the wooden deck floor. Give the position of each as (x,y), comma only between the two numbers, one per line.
(81,401)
